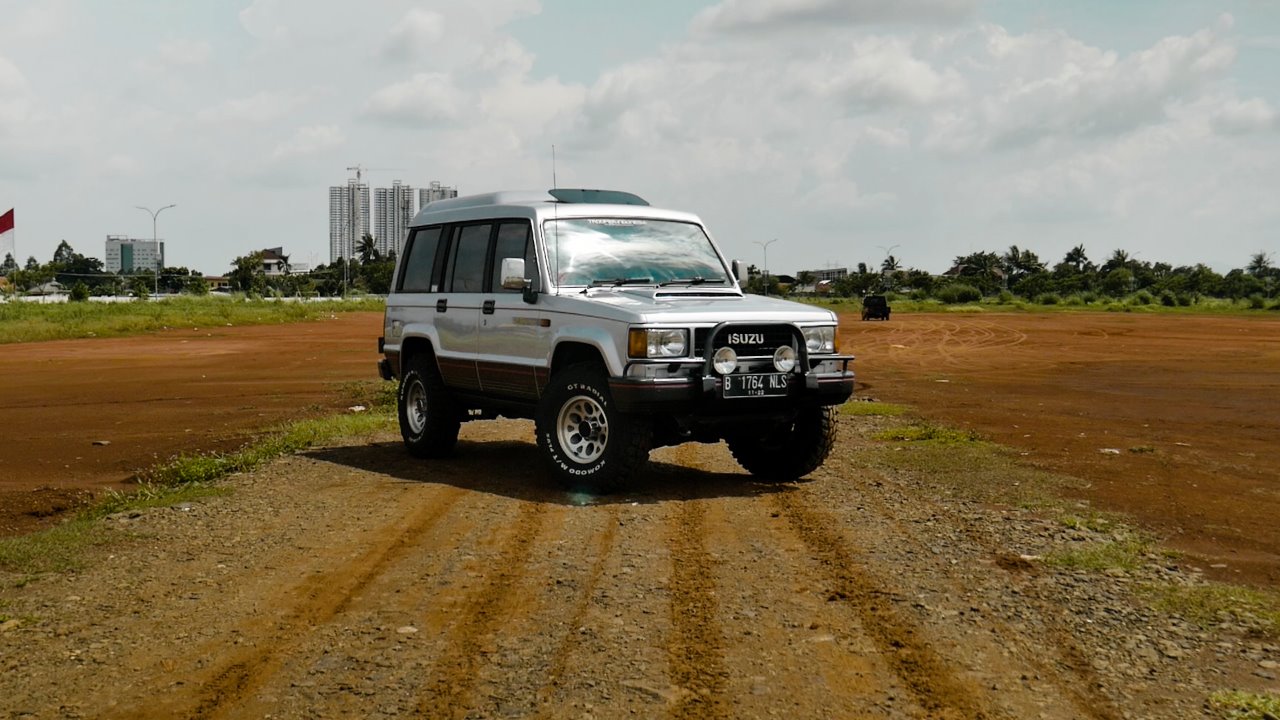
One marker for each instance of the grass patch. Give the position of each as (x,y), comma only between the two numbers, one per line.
(872,409)
(928,434)
(1239,705)
(33,322)
(63,547)
(58,549)
(1126,554)
(1091,521)
(1207,605)
(293,438)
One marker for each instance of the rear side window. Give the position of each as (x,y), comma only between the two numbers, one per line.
(467,259)
(513,241)
(420,261)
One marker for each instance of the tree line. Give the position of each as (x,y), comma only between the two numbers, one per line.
(1020,273)
(82,276)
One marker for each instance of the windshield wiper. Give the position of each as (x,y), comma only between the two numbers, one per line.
(692,281)
(615,282)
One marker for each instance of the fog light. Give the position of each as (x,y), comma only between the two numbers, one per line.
(784,359)
(725,361)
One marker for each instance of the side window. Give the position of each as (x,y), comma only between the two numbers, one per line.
(466,262)
(419,261)
(514,241)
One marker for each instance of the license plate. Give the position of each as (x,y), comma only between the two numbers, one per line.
(756,385)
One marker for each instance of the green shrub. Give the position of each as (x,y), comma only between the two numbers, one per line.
(1185,300)
(79,292)
(1073,300)
(1006,297)
(959,293)
(1089,297)
(1257,302)
(1049,299)
(1142,297)
(1168,299)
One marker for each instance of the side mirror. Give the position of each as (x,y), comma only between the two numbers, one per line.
(737,270)
(512,274)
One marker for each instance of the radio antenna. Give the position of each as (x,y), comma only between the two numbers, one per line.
(555,222)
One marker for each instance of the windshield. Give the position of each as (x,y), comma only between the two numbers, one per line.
(631,251)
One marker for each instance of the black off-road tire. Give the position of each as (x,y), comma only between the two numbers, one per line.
(588,444)
(789,451)
(429,419)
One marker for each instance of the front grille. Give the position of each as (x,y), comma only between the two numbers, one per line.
(746,340)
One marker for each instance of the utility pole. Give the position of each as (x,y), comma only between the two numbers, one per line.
(155,241)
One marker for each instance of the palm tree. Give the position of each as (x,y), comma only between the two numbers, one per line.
(890,265)
(1077,259)
(1259,264)
(367,249)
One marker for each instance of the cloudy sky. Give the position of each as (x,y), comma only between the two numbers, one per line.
(844,129)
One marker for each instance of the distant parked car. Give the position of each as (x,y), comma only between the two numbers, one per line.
(875,306)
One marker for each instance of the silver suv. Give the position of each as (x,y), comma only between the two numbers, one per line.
(617,327)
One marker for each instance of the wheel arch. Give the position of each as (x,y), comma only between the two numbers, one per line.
(574,352)
(412,347)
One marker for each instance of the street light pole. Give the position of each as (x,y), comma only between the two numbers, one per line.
(155,240)
(766,245)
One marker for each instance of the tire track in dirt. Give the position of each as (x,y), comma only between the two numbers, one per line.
(448,687)
(1062,652)
(695,649)
(602,548)
(903,645)
(313,602)
(696,645)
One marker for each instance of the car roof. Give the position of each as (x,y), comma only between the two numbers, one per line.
(544,204)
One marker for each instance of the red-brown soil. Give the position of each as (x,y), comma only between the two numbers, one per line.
(82,416)
(1190,402)
(1174,419)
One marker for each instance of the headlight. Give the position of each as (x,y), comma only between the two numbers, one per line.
(819,340)
(784,359)
(656,343)
(725,361)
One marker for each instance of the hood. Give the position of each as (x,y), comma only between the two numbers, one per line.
(698,305)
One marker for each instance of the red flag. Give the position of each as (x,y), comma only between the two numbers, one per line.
(6,222)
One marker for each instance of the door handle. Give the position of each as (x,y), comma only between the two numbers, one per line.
(487,308)
(442,304)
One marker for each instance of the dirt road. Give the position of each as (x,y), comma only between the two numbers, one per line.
(355,582)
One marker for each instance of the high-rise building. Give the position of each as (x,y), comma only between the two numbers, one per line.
(435,191)
(348,218)
(393,209)
(126,255)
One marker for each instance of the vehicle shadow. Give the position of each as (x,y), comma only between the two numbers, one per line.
(515,470)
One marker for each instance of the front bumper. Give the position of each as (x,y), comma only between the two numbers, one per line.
(703,394)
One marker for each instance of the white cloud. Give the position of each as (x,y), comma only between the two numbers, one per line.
(881,71)
(15,104)
(774,15)
(1241,117)
(1047,86)
(309,141)
(426,98)
(263,107)
(185,52)
(416,32)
